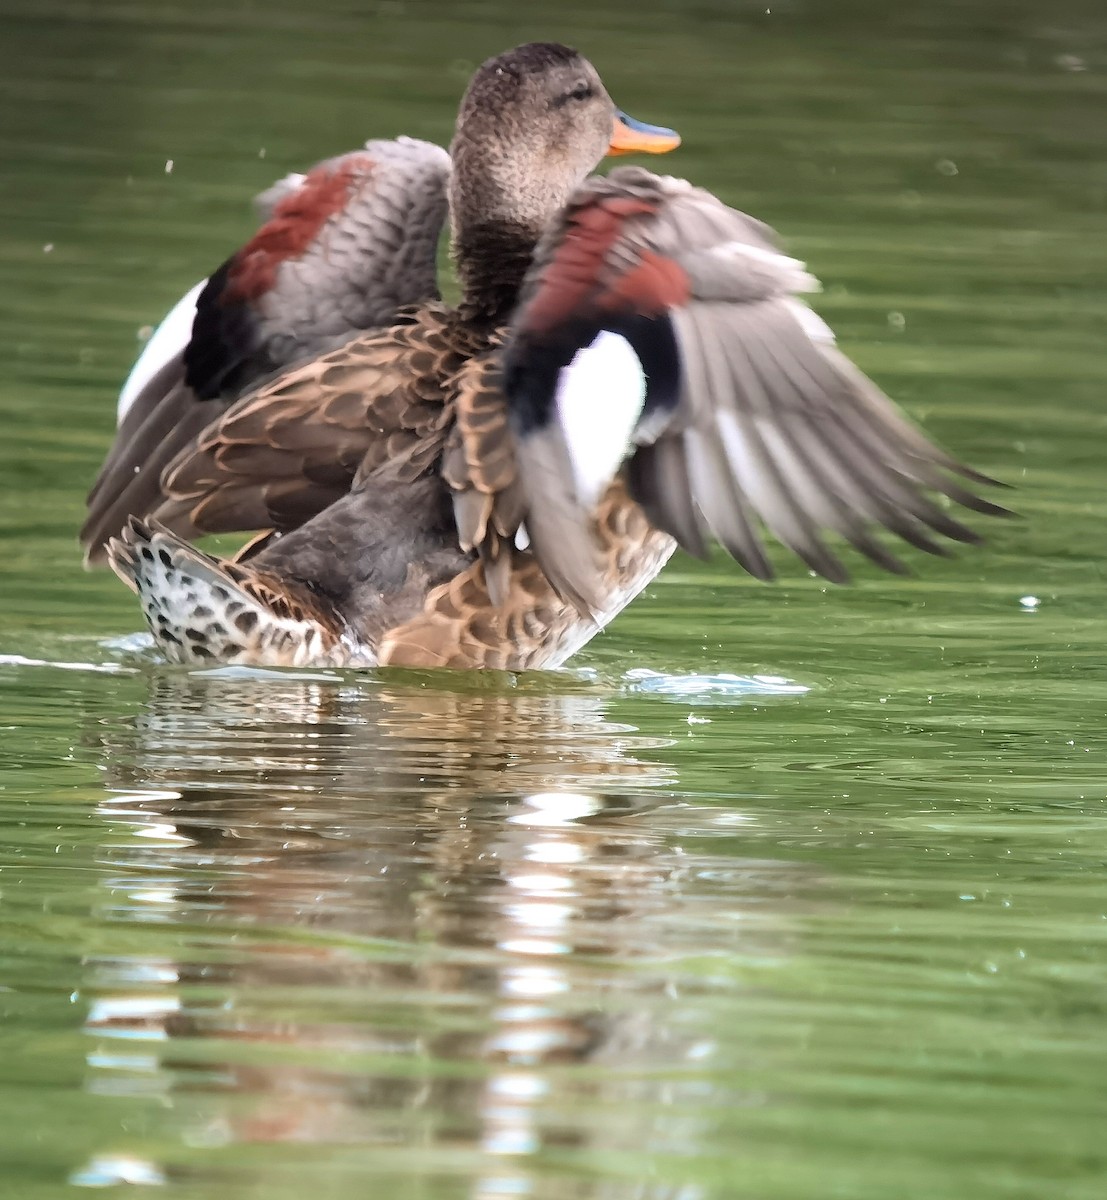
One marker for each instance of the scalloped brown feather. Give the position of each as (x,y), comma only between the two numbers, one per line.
(462,626)
(287,452)
(479,466)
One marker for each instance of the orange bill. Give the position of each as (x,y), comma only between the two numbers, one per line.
(630,136)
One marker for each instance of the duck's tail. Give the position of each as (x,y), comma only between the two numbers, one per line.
(203,610)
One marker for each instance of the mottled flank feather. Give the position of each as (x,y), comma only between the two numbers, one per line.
(203,611)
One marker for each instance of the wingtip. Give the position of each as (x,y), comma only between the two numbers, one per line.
(93,543)
(975,476)
(978,504)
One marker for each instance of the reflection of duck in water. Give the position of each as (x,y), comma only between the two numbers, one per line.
(398,931)
(384,744)
(451,491)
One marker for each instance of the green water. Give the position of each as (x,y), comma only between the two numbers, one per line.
(608,934)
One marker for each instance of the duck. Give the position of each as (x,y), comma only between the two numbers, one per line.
(324,265)
(631,366)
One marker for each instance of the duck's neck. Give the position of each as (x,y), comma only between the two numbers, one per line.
(491,257)
(500,202)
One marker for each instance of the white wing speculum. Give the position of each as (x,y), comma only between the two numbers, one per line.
(166,342)
(600,396)
(599,399)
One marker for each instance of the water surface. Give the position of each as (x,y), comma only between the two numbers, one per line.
(782,892)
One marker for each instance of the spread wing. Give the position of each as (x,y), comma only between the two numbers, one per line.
(343,249)
(662,329)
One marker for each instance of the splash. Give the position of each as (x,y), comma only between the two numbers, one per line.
(717,688)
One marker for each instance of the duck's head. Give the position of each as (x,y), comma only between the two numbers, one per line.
(533,124)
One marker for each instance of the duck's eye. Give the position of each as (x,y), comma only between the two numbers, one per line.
(583,91)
